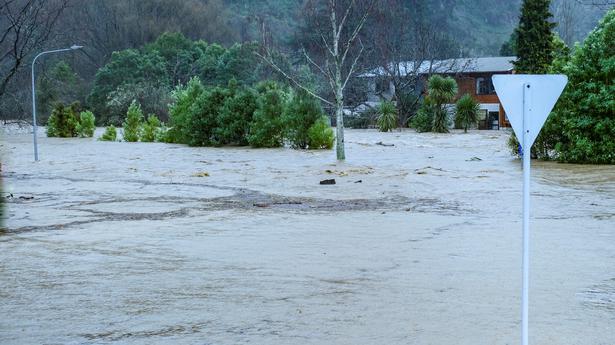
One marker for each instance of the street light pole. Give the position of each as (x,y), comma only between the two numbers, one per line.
(34,126)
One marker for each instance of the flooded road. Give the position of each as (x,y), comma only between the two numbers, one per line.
(417,243)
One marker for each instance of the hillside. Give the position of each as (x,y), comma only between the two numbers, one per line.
(482,26)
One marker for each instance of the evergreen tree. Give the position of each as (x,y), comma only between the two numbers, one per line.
(534,38)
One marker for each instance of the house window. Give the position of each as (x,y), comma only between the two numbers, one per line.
(484,86)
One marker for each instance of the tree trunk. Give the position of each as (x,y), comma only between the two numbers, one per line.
(339,112)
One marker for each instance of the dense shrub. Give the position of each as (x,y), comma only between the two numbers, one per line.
(267,128)
(202,118)
(184,97)
(150,129)
(151,73)
(301,113)
(86,126)
(110,134)
(63,122)
(132,125)
(387,116)
(320,135)
(586,112)
(581,128)
(235,116)
(423,120)
(466,114)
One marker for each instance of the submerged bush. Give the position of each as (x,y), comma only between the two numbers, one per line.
(184,97)
(301,113)
(201,120)
(387,116)
(110,134)
(63,122)
(150,129)
(423,120)
(267,127)
(235,116)
(320,135)
(132,125)
(86,126)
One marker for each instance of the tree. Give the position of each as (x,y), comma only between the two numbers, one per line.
(335,40)
(59,84)
(441,91)
(534,38)
(585,114)
(402,38)
(267,128)
(25,26)
(467,112)
(132,125)
(387,116)
(300,114)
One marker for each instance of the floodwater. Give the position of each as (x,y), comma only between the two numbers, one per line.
(417,243)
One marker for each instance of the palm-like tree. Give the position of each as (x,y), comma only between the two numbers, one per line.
(387,116)
(442,91)
(467,112)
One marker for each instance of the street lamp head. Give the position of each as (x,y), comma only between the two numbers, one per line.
(75,47)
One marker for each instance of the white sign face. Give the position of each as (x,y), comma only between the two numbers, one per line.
(544,91)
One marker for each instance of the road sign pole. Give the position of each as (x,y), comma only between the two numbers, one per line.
(527,99)
(527,156)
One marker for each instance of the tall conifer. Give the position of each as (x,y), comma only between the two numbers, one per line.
(534,38)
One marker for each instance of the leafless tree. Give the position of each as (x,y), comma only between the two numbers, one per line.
(25,26)
(336,51)
(566,13)
(403,43)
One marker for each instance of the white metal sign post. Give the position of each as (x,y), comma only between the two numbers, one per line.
(528,100)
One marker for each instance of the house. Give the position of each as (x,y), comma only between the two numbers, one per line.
(473,76)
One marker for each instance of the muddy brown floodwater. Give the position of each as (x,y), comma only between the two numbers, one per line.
(417,243)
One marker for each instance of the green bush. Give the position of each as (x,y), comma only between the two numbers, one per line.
(162,134)
(150,129)
(320,135)
(423,119)
(302,111)
(202,118)
(466,114)
(267,126)
(63,122)
(235,116)
(110,134)
(585,114)
(184,97)
(132,125)
(86,126)
(387,116)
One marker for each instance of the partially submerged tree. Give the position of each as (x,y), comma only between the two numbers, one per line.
(467,112)
(442,90)
(338,50)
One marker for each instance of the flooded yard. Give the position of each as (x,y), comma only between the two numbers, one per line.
(416,243)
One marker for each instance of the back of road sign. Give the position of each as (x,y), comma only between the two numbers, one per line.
(545,90)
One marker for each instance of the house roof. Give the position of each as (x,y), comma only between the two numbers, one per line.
(461,65)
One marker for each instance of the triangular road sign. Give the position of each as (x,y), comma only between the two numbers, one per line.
(539,91)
